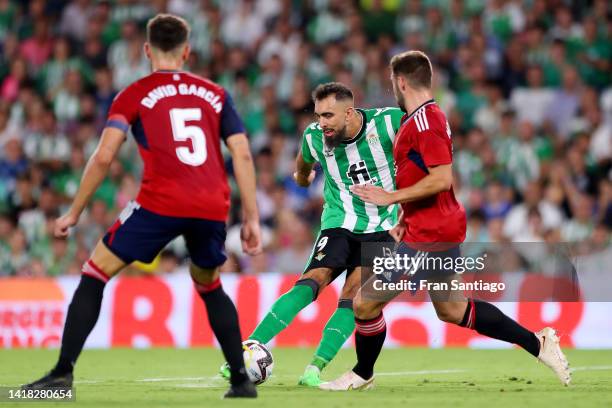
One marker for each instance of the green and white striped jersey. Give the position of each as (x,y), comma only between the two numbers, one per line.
(366,158)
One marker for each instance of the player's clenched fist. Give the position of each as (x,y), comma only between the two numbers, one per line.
(63,223)
(250,235)
(301,181)
(398,231)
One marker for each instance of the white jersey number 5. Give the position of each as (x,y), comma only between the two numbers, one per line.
(182,132)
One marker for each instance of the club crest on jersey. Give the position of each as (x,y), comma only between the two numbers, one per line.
(371,138)
(320,256)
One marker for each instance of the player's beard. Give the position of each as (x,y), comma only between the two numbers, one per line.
(334,141)
(401,101)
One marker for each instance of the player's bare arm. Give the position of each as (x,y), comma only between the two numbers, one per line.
(398,231)
(238,145)
(304,174)
(440,178)
(95,172)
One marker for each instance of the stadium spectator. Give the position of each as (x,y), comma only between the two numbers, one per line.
(526,87)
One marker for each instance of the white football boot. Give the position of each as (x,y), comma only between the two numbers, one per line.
(552,356)
(347,382)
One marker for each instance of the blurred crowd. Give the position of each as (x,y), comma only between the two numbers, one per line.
(526,86)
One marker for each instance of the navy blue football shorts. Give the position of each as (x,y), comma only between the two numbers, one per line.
(411,269)
(139,235)
(429,264)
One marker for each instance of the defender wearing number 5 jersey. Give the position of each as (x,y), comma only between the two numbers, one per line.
(179,121)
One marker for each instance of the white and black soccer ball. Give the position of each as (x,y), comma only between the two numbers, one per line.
(258,361)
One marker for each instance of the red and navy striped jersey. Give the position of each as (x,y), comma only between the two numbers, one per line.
(178,120)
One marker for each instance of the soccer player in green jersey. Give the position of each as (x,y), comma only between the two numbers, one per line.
(353,146)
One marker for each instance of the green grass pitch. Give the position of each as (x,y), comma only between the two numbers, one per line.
(411,377)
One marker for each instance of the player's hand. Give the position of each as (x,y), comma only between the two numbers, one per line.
(397,232)
(63,223)
(372,194)
(304,182)
(250,235)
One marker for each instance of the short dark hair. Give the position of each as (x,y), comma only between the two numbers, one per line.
(340,91)
(414,66)
(167,32)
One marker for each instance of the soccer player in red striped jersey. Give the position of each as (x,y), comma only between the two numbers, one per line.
(435,225)
(178,121)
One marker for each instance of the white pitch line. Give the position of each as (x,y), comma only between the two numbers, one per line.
(397,373)
(592,368)
(144,380)
(218,378)
(421,372)
(213,382)
(177,379)
(197,385)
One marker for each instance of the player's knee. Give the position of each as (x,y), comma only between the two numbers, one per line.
(317,279)
(203,276)
(361,310)
(312,284)
(103,262)
(449,313)
(351,286)
(349,290)
(320,275)
(93,270)
(365,310)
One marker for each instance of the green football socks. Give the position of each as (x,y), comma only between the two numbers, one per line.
(282,313)
(337,330)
